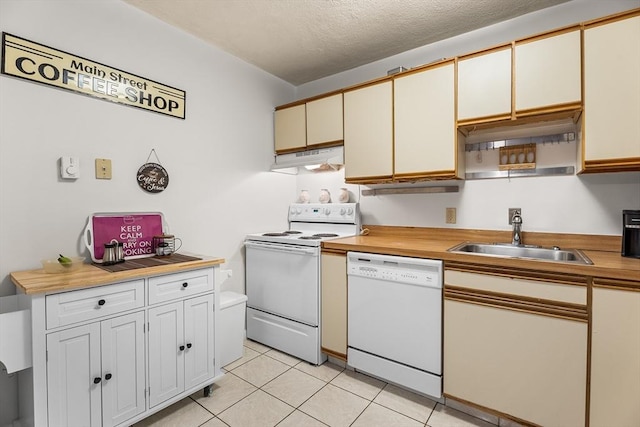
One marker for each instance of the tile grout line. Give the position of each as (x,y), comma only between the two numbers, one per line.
(297,408)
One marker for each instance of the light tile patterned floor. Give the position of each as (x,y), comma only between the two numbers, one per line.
(267,388)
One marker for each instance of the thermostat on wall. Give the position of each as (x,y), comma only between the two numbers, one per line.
(69,167)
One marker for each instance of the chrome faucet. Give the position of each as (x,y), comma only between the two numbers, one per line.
(516,235)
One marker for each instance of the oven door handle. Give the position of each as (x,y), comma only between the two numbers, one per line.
(282,248)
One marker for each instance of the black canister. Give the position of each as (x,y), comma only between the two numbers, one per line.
(631,233)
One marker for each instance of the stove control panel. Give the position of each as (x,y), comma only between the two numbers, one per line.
(345,213)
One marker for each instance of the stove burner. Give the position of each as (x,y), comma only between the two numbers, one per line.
(275,234)
(325,235)
(293,232)
(314,237)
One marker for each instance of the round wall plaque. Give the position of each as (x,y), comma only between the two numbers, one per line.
(152,177)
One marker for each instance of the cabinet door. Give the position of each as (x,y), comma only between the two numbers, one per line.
(612,95)
(368,132)
(484,86)
(527,365)
(334,305)
(548,72)
(73,363)
(199,340)
(615,358)
(424,122)
(290,129)
(324,120)
(123,374)
(166,359)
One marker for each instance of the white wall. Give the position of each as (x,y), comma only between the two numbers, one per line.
(217,158)
(570,204)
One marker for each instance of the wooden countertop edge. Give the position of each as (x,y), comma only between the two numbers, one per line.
(607,265)
(37,281)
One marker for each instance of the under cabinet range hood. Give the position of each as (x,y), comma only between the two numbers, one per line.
(320,159)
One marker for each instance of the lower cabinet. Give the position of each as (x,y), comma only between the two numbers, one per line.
(334,305)
(180,347)
(615,354)
(107,358)
(517,347)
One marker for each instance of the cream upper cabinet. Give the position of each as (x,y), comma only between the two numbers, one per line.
(484,86)
(615,357)
(315,123)
(611,124)
(548,71)
(290,128)
(424,124)
(368,132)
(334,305)
(324,120)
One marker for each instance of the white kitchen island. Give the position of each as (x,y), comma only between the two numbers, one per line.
(111,348)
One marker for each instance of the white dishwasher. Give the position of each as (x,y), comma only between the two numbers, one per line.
(395,319)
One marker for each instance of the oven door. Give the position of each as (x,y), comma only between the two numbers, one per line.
(284,280)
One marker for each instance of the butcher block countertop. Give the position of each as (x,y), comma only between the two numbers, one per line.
(433,243)
(37,281)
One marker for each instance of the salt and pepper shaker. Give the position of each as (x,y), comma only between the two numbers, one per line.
(120,252)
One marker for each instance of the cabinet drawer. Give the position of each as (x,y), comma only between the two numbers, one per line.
(85,304)
(179,285)
(576,294)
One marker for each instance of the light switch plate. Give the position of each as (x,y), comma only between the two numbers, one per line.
(103,168)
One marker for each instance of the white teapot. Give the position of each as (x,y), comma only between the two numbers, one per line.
(325,196)
(304,197)
(344,195)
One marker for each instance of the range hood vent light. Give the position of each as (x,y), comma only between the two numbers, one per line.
(321,159)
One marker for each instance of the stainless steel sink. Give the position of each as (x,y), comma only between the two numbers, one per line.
(531,252)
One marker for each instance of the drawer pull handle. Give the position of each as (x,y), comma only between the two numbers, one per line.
(108,376)
(189,345)
(101,302)
(97,380)
(185,284)
(181,348)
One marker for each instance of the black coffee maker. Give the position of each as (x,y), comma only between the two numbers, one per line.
(631,233)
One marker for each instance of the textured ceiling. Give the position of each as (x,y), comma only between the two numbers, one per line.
(304,40)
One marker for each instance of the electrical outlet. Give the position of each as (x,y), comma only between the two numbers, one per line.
(103,169)
(512,211)
(451,215)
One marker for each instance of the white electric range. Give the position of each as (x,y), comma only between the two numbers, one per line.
(283,277)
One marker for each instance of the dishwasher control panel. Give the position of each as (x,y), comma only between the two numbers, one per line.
(415,271)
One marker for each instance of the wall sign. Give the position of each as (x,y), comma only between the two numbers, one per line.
(152,177)
(38,63)
(135,230)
